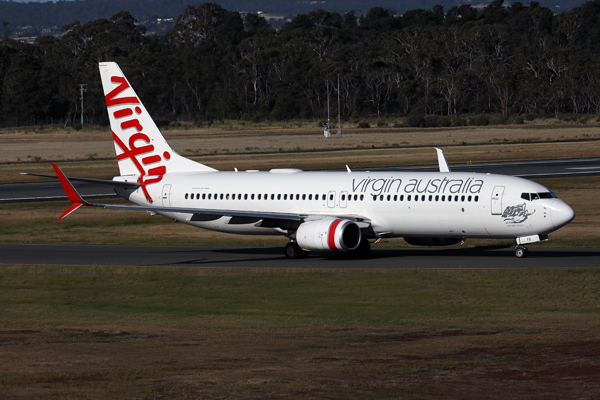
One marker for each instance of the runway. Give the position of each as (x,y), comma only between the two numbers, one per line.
(272,257)
(52,191)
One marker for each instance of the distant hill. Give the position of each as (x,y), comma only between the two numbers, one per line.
(48,14)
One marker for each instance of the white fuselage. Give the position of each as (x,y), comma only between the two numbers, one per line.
(397,204)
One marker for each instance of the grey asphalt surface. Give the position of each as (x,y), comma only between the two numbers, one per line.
(272,257)
(52,191)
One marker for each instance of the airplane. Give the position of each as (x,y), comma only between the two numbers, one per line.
(322,211)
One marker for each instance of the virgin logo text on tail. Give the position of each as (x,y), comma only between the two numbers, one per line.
(133,151)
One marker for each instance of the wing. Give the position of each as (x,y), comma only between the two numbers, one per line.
(292,220)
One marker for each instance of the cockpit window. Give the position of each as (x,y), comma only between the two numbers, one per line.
(537,196)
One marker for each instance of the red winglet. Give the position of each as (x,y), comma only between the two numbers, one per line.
(72,194)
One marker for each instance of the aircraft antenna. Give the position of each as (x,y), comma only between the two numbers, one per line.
(82,89)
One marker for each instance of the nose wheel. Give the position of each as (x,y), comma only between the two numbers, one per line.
(521,251)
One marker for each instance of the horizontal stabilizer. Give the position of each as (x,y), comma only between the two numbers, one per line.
(108,182)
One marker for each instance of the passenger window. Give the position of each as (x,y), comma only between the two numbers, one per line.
(476,199)
(437,198)
(525,196)
(310,196)
(381,197)
(303,197)
(401,197)
(444,198)
(456,198)
(469,199)
(316,197)
(362,197)
(279,197)
(417,198)
(297,197)
(408,198)
(259,196)
(374,198)
(186,196)
(272,196)
(430,197)
(245,196)
(462,198)
(343,197)
(284,196)
(221,196)
(204,196)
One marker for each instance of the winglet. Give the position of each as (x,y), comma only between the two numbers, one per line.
(442,161)
(72,194)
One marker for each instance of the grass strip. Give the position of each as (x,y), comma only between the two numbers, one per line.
(239,298)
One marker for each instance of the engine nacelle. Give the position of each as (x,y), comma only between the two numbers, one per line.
(328,234)
(425,241)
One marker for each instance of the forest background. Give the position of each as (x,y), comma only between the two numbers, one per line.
(432,66)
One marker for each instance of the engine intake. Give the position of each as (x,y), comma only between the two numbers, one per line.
(329,234)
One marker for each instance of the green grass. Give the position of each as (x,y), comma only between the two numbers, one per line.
(238,298)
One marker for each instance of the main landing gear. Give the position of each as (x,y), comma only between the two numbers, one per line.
(293,251)
(362,250)
(521,251)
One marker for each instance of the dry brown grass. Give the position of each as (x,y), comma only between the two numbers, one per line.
(96,143)
(359,362)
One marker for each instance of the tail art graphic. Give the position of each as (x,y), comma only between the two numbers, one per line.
(140,146)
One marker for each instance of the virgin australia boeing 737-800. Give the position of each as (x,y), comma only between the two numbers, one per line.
(320,211)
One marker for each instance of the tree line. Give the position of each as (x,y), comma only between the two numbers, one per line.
(214,63)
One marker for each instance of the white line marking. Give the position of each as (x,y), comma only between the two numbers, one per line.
(597,167)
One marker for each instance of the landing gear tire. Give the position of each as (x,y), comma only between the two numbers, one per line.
(293,251)
(521,252)
(362,250)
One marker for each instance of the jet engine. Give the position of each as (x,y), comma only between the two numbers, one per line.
(425,241)
(328,234)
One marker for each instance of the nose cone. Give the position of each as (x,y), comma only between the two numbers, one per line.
(561,213)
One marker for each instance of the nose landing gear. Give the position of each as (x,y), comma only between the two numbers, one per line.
(521,251)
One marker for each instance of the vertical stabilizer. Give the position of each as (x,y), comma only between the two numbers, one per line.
(140,146)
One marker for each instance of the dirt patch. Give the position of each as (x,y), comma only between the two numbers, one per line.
(308,362)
